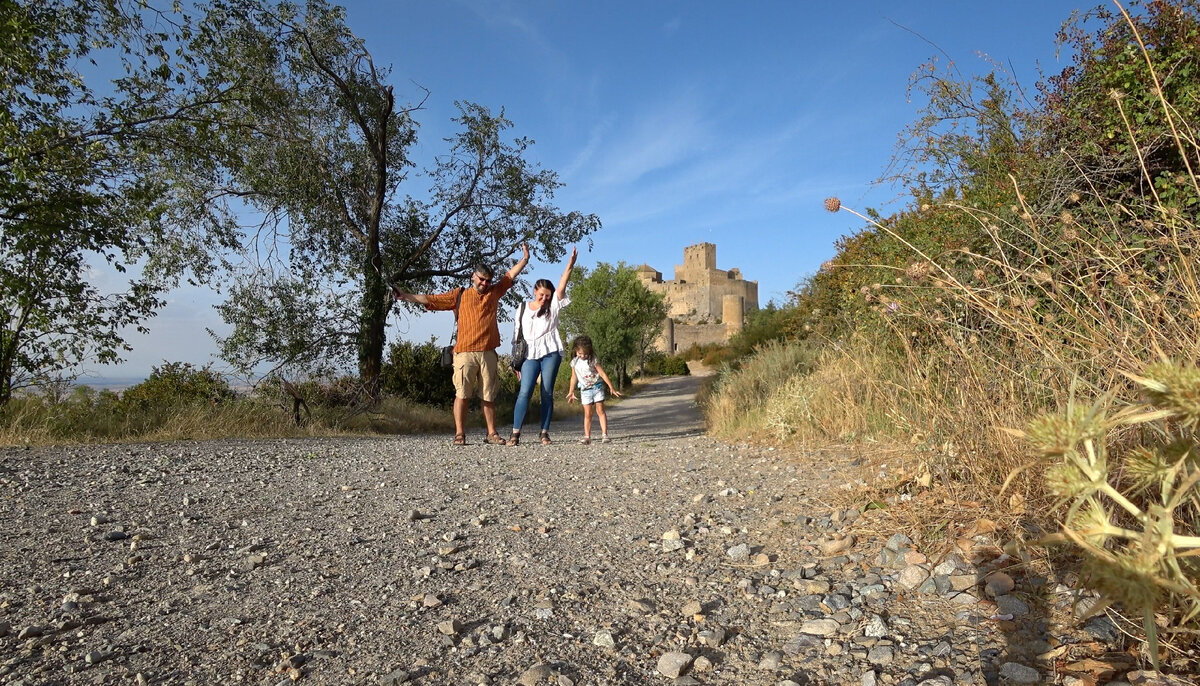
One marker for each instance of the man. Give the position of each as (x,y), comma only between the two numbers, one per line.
(475,359)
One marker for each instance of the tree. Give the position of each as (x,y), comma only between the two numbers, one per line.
(316,143)
(616,310)
(76,185)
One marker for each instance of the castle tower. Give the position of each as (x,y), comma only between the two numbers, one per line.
(733,314)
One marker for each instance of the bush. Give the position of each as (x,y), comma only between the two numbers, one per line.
(178,383)
(660,364)
(413,371)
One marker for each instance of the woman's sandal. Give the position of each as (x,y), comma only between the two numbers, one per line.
(460,439)
(545,438)
(515,439)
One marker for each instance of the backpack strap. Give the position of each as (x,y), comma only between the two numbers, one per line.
(521,322)
(457,301)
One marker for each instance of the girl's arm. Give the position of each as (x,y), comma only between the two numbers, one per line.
(600,371)
(562,283)
(571,387)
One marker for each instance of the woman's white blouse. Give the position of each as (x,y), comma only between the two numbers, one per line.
(542,332)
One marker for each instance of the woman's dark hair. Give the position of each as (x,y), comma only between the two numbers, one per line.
(585,344)
(544,309)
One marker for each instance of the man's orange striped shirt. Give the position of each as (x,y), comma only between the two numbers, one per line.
(478,329)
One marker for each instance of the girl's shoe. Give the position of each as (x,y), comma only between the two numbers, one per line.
(545,438)
(515,439)
(604,438)
(586,440)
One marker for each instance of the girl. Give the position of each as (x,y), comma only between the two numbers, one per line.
(537,323)
(588,373)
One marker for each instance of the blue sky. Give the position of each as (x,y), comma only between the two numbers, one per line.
(677,122)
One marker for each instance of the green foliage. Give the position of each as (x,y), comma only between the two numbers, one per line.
(77,187)
(661,364)
(176,384)
(413,371)
(307,130)
(616,310)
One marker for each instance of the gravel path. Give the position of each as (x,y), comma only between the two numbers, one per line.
(663,557)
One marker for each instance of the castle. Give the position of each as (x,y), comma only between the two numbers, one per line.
(705,304)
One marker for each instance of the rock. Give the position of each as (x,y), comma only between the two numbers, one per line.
(876,627)
(1152,678)
(998,584)
(1019,673)
(450,627)
(1011,605)
(395,678)
(642,605)
(881,655)
(771,661)
(701,664)
(604,639)
(819,627)
(31,631)
(692,607)
(713,638)
(739,552)
(431,600)
(868,678)
(535,675)
(672,665)
(912,576)
(836,546)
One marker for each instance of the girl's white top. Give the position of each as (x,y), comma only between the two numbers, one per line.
(585,372)
(541,333)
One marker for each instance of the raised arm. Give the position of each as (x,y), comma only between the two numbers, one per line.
(419,298)
(517,268)
(562,283)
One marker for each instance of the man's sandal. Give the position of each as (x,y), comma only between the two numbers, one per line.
(545,438)
(460,439)
(494,439)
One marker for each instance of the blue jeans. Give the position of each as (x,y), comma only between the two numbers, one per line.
(547,368)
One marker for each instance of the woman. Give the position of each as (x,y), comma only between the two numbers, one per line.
(537,322)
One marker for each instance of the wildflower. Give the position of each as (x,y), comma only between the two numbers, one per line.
(877,286)
(1042,276)
(827,266)
(1070,235)
(1122,280)
(1116,94)
(1074,197)
(978,274)
(1066,218)
(833,204)
(893,307)
(917,271)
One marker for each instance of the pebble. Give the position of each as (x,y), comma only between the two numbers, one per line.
(1019,673)
(535,675)
(672,665)
(551,550)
